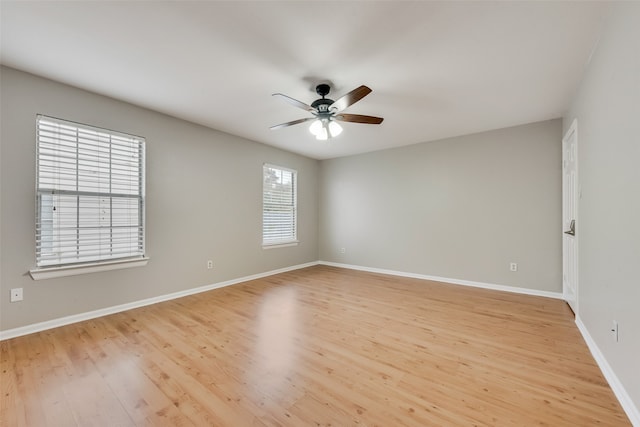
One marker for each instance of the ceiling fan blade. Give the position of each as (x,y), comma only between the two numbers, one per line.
(295,122)
(351,98)
(358,118)
(295,102)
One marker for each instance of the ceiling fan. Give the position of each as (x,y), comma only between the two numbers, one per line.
(326,112)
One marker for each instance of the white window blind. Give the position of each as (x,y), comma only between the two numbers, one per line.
(279,205)
(90,194)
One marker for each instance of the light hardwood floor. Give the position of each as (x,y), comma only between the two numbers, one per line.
(314,347)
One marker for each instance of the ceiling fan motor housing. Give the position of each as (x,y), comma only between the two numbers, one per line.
(322,105)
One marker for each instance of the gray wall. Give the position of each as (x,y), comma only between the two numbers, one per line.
(461,208)
(204,201)
(607,107)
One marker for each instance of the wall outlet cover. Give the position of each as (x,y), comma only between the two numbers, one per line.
(16,295)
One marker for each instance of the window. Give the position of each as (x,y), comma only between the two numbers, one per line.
(279,205)
(90,194)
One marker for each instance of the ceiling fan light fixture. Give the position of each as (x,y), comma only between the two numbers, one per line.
(324,129)
(315,127)
(334,129)
(323,134)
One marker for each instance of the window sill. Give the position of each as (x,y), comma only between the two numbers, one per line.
(72,270)
(280,245)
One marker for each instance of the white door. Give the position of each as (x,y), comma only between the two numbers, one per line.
(570,217)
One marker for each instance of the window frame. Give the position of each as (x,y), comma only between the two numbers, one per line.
(68,267)
(284,242)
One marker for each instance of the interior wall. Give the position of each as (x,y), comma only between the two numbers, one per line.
(203,202)
(461,208)
(607,107)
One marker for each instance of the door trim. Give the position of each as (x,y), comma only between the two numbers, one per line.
(573,130)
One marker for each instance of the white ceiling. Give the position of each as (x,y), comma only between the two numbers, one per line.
(437,69)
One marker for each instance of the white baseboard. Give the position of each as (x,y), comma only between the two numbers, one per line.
(618,389)
(54,323)
(526,291)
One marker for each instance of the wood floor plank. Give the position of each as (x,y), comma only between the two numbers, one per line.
(12,407)
(319,346)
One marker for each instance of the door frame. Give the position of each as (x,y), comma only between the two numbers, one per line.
(571,132)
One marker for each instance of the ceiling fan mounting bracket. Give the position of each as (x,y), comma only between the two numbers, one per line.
(323,89)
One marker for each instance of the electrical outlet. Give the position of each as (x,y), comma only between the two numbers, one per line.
(513,266)
(209,264)
(343,250)
(615,331)
(16,294)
